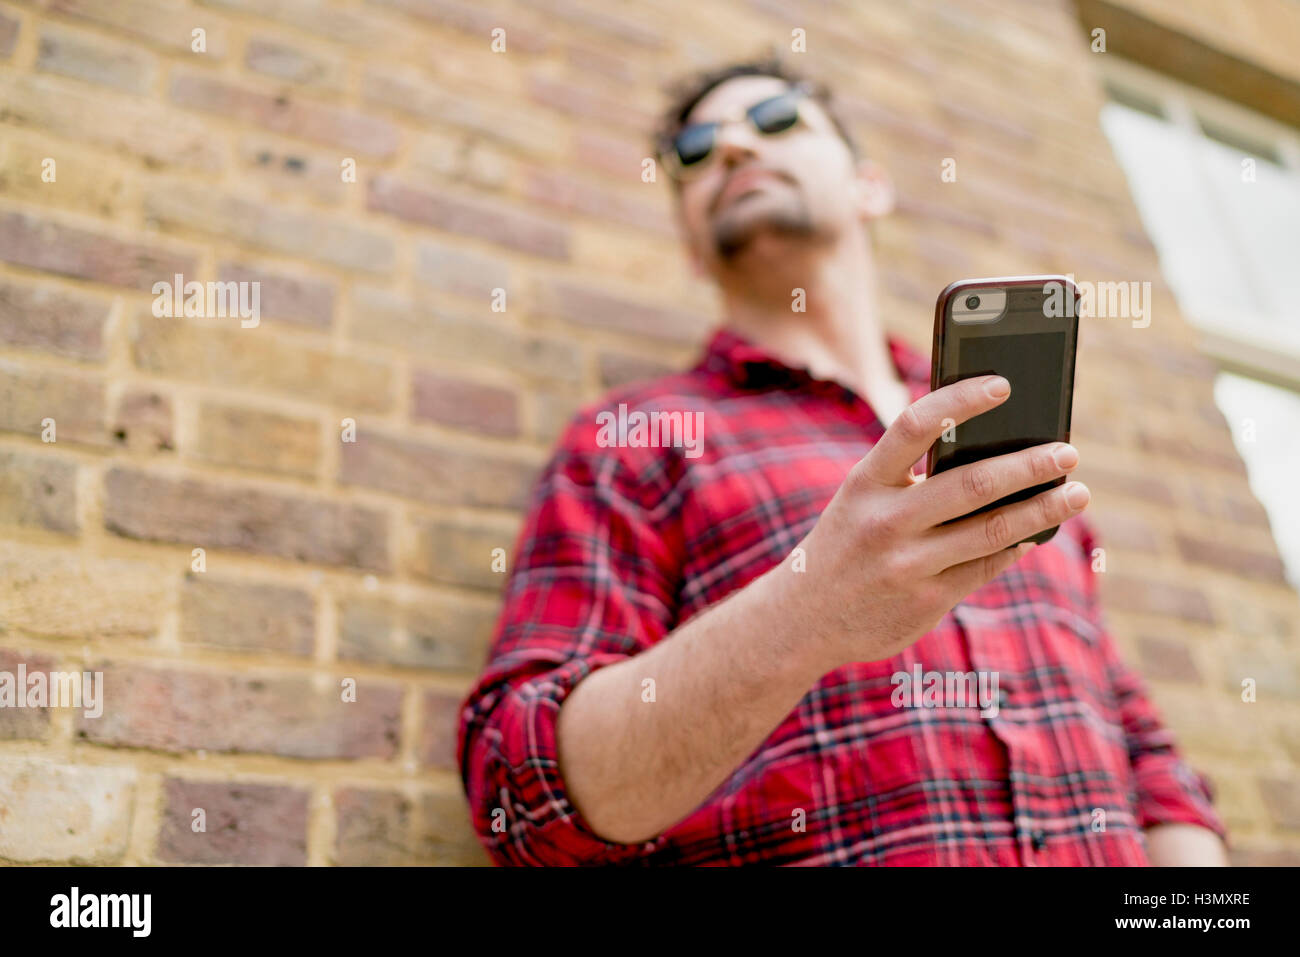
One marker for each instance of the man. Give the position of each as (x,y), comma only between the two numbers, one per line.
(699,656)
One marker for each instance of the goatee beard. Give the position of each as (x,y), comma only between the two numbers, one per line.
(730,239)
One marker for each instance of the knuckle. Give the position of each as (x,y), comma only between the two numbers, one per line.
(874,524)
(910,424)
(1052,508)
(977,481)
(1042,466)
(997,530)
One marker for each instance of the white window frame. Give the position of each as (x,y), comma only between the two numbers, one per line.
(1236,351)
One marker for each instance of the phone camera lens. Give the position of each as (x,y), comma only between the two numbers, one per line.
(972,302)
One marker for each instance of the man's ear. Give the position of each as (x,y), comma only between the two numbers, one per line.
(875,190)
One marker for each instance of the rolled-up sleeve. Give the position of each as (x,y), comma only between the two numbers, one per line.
(594,582)
(1169,790)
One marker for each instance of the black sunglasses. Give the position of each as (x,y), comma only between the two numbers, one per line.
(691,147)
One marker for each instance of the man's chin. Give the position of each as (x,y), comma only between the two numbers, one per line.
(731,240)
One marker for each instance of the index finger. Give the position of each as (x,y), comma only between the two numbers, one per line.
(919,425)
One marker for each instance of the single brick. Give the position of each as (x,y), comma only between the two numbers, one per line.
(447,634)
(289,715)
(585,103)
(295,232)
(1248,563)
(1157,598)
(344,129)
(53,591)
(355,27)
(76,403)
(259,825)
(23,723)
(157,22)
(552,414)
(1146,488)
(1275,677)
(527,33)
(294,298)
(457,552)
(253,439)
(392,321)
(1125,529)
(490,220)
(462,273)
(8,33)
(123,123)
(578,195)
(1282,798)
(90,182)
(258,359)
(1197,453)
(38,491)
(445,835)
(615,23)
(591,306)
(310,69)
(618,369)
(27,240)
(463,404)
(1167,659)
(246,616)
(209,514)
(64,813)
(406,89)
(425,473)
(144,421)
(95,60)
(373,828)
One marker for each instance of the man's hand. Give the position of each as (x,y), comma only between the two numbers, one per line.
(882,566)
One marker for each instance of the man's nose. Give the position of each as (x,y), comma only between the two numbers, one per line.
(737,143)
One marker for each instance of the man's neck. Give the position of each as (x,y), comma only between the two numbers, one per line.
(832,327)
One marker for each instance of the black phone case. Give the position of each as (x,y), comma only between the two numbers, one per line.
(1047,418)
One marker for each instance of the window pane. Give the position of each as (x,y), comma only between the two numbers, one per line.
(1174,197)
(1272,458)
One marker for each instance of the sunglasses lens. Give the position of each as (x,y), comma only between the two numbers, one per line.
(694,143)
(775,115)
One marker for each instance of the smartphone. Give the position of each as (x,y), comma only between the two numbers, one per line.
(1024,328)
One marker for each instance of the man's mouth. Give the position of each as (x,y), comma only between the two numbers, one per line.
(741,183)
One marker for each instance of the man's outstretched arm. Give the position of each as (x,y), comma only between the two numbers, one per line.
(881,572)
(1185,845)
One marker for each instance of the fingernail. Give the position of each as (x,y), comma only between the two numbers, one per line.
(1065,456)
(997,387)
(1077,495)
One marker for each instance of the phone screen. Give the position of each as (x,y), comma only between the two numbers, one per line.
(1032,363)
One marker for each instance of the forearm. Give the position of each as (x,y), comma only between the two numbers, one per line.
(1182,845)
(722,683)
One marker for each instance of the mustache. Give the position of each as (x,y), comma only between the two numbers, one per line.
(742,170)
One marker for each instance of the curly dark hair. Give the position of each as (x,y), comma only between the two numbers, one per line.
(685,94)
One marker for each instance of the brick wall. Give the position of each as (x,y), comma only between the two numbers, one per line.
(327,562)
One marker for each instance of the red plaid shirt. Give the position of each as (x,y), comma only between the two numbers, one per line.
(623,545)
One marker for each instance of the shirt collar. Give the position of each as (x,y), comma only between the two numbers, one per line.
(750,366)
